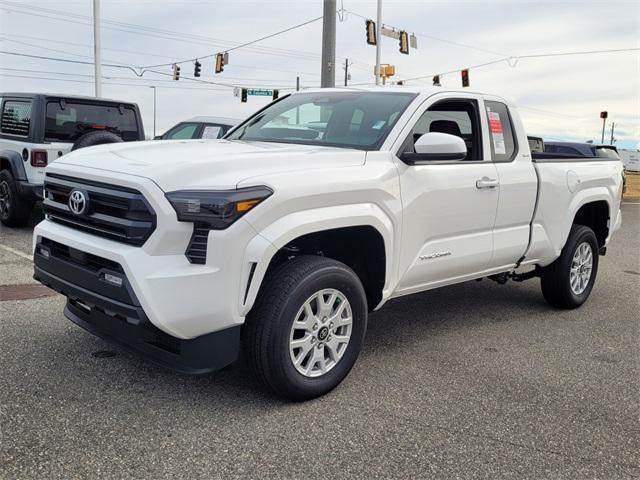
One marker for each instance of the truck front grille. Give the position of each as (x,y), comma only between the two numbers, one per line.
(111,211)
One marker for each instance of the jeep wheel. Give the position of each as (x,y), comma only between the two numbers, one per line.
(306,329)
(568,281)
(14,210)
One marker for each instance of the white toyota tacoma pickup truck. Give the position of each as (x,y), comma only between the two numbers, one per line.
(281,237)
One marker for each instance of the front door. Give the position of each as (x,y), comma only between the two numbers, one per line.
(449,206)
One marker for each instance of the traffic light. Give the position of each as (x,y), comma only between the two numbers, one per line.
(604,115)
(465,77)
(196,68)
(219,62)
(404,42)
(436,81)
(176,71)
(276,94)
(243,95)
(371,32)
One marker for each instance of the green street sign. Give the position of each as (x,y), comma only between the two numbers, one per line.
(260,92)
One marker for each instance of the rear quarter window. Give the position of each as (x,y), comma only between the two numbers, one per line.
(16,116)
(502,136)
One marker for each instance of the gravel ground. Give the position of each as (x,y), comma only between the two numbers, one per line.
(472,381)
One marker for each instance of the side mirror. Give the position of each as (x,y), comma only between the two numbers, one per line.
(158,137)
(435,146)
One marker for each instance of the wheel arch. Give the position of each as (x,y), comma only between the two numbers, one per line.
(361,236)
(595,214)
(12,161)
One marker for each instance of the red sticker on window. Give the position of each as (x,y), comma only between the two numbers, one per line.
(495,123)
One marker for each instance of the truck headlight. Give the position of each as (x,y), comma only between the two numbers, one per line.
(217,209)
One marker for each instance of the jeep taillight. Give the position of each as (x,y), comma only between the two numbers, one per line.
(39,158)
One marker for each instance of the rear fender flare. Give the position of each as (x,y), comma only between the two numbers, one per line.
(581,199)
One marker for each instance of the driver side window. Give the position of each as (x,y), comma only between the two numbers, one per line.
(454,117)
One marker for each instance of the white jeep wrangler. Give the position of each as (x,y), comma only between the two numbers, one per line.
(36,129)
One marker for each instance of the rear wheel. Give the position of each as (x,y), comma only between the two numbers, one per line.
(14,209)
(305,331)
(568,281)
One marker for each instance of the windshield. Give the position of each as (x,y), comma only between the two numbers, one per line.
(337,119)
(69,123)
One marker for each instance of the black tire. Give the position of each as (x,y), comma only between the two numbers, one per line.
(555,278)
(14,209)
(267,330)
(96,137)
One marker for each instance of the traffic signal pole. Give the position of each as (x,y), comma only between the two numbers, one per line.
(378,41)
(328,69)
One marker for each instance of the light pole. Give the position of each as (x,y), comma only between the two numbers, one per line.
(154,110)
(97,61)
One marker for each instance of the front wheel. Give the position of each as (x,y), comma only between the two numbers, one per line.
(568,281)
(305,331)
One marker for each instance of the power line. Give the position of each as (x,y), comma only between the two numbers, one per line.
(145,28)
(135,52)
(4,38)
(241,45)
(68,60)
(513,61)
(254,82)
(175,36)
(113,83)
(162,33)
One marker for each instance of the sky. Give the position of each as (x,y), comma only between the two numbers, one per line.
(559,98)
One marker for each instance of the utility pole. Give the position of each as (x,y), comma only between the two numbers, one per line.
(346,71)
(613,127)
(378,41)
(328,71)
(97,60)
(297,84)
(154,110)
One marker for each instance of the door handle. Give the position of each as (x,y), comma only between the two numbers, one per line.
(486,182)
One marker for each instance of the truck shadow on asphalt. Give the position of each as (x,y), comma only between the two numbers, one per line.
(403,323)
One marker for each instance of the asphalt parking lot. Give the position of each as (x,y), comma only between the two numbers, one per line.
(472,381)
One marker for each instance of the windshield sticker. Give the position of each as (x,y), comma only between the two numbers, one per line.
(496,133)
(378,125)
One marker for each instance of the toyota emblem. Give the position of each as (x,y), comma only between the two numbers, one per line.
(78,202)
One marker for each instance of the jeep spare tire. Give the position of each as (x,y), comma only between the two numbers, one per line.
(96,137)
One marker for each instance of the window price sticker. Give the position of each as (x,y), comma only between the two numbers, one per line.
(495,125)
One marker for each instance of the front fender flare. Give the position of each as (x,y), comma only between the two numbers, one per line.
(266,244)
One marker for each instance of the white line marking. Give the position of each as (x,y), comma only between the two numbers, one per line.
(630,203)
(17,252)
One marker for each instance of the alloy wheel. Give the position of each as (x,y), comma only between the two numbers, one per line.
(320,332)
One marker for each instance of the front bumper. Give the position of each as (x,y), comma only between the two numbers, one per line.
(115,314)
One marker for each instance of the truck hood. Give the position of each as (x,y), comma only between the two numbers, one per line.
(206,164)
